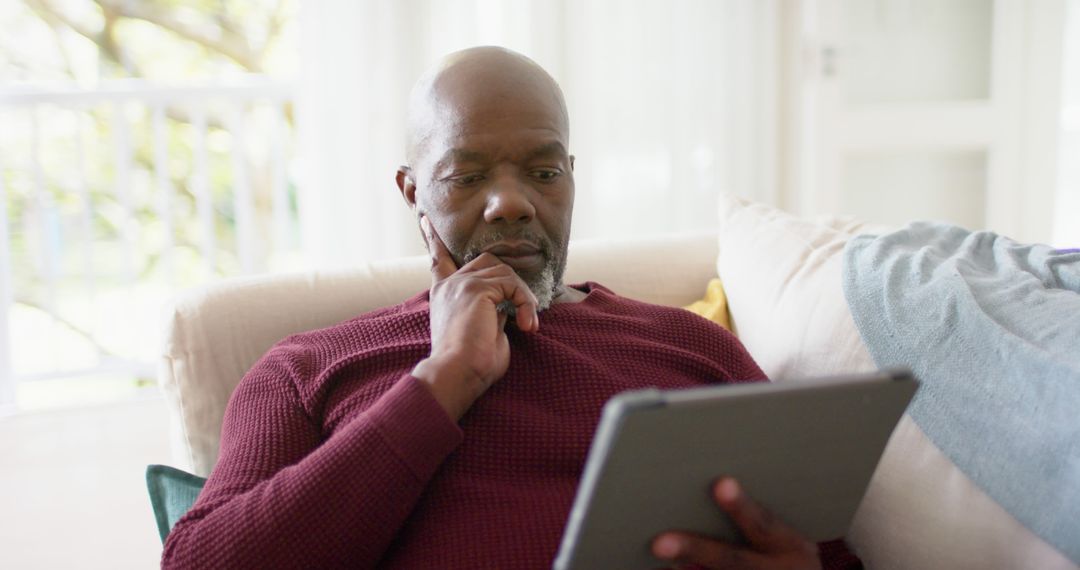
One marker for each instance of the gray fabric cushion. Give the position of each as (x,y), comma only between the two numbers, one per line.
(990,327)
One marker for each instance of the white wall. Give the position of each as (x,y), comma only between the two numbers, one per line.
(669,103)
(1067,199)
(674,102)
(927,109)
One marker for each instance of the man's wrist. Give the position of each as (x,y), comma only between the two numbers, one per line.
(454,386)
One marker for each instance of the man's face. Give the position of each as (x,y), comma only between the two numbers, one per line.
(495,176)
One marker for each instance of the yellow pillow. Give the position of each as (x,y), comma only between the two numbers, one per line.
(713,306)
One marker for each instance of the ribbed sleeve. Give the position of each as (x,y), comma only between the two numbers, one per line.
(280,498)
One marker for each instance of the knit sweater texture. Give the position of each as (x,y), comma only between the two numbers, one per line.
(334,456)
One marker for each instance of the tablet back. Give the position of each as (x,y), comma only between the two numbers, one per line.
(805,451)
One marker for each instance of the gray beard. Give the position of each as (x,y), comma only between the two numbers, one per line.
(543,284)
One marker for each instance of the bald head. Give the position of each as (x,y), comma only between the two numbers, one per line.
(476,84)
(489,166)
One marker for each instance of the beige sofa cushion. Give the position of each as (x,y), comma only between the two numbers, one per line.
(782,278)
(216,333)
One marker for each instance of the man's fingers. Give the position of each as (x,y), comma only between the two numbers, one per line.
(489,267)
(760,528)
(512,289)
(688,548)
(527,306)
(772,544)
(508,287)
(442,264)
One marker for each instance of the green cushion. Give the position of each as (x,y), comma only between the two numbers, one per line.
(172,492)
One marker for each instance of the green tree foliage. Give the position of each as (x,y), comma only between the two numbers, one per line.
(86,230)
(154,39)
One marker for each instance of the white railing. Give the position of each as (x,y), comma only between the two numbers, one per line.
(94,229)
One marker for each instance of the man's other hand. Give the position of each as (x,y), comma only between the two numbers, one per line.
(771,544)
(469,348)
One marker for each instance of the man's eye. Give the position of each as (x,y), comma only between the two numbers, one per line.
(546,175)
(468,179)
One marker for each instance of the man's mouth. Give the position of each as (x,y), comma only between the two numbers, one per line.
(521,255)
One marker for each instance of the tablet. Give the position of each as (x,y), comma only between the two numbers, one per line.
(804,450)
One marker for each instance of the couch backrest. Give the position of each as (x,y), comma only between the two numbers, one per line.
(216,333)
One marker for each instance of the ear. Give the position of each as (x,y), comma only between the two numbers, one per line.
(572,162)
(407,185)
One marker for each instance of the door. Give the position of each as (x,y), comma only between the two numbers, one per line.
(927,109)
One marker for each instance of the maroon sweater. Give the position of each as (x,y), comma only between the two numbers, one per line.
(333,455)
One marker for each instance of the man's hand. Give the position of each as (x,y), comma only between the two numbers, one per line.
(469,348)
(771,543)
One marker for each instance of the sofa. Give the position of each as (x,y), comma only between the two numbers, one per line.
(781,275)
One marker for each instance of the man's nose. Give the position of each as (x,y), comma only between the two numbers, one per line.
(508,201)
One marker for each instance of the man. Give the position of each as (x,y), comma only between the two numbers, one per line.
(450,431)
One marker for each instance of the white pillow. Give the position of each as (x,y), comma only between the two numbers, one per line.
(781,274)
